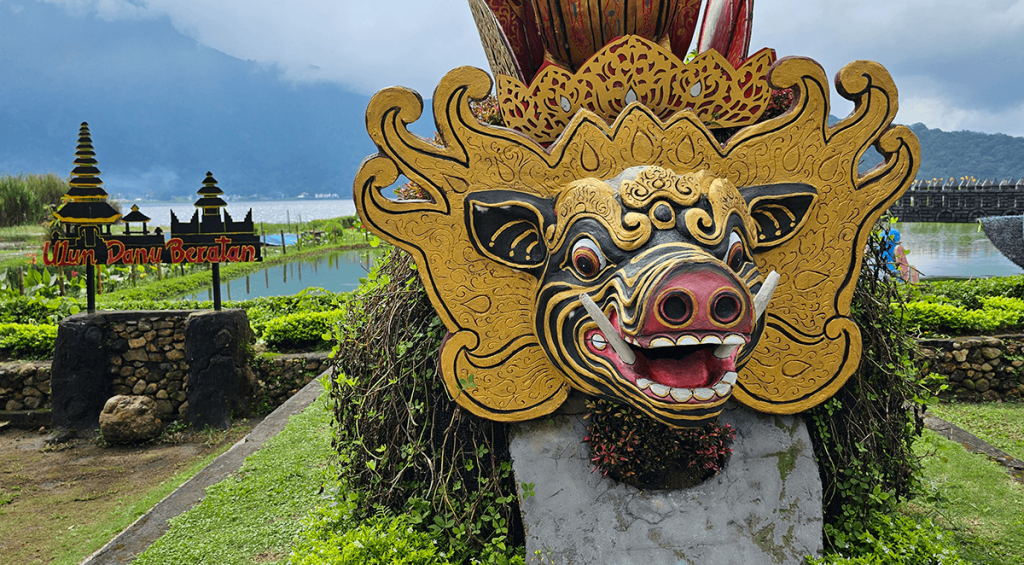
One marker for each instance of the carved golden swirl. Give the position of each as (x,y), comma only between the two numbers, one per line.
(592,198)
(725,200)
(656,182)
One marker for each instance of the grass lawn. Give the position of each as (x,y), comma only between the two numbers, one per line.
(981,504)
(253,516)
(1001,425)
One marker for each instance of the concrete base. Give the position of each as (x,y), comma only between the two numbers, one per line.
(764,507)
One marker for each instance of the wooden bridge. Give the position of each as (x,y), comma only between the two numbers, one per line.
(938,201)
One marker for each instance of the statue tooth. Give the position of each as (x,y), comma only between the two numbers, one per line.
(764,296)
(680,394)
(621,347)
(723,389)
(703,393)
(725,351)
(729,378)
(733,339)
(687,340)
(643,383)
(662,342)
(659,389)
(599,342)
(711,339)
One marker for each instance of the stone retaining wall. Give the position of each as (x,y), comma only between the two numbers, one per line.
(976,368)
(25,386)
(281,376)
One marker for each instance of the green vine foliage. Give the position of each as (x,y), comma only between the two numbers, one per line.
(411,450)
(629,447)
(862,436)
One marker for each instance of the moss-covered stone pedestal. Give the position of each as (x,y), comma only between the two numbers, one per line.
(764,507)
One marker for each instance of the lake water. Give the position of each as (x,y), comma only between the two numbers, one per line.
(953,250)
(936,251)
(337,272)
(266,211)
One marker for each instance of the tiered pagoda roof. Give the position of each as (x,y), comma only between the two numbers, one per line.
(86,201)
(210,200)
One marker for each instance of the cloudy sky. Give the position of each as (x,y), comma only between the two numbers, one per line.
(959,64)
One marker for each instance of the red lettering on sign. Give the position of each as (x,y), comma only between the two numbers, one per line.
(174,245)
(53,259)
(233,254)
(190,255)
(115,251)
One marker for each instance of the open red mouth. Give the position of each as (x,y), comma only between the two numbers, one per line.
(694,367)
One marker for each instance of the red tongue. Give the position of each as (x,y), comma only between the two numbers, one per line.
(692,371)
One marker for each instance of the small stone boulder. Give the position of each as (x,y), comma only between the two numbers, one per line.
(130,419)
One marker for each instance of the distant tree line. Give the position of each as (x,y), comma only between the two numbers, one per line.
(946,154)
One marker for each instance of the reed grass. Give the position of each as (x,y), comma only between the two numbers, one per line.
(25,199)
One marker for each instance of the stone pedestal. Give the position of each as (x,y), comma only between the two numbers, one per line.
(764,507)
(218,349)
(79,381)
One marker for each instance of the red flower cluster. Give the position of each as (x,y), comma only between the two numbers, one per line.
(631,448)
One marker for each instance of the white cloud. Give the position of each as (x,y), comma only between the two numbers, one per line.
(939,113)
(966,57)
(109,10)
(365,46)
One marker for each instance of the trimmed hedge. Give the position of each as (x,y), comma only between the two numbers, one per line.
(301,330)
(27,341)
(996,314)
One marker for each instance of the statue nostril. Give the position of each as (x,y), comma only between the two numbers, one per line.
(726,308)
(677,307)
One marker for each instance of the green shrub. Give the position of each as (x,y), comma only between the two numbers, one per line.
(969,293)
(27,341)
(380,540)
(409,448)
(863,435)
(994,315)
(895,539)
(300,330)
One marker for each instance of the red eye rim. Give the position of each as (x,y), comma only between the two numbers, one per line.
(736,257)
(586,262)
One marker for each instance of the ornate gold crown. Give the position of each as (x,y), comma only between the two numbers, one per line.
(632,69)
(552,61)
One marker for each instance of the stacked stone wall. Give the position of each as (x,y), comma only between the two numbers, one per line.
(147,358)
(976,368)
(281,376)
(25,386)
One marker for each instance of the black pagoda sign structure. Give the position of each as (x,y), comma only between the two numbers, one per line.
(81,234)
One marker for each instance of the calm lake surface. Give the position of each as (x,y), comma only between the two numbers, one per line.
(337,272)
(936,250)
(267,211)
(953,250)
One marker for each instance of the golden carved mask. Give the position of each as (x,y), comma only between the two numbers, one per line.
(626,213)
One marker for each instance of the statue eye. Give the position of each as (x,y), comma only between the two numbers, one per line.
(735,257)
(587,258)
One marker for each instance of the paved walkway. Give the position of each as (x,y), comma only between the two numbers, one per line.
(974,444)
(149,527)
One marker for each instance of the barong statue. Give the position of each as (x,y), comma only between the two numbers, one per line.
(606,239)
